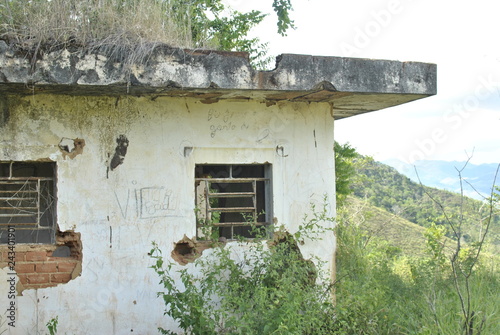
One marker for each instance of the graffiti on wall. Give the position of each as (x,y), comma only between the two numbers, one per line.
(150,202)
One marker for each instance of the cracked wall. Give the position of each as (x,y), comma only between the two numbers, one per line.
(149,196)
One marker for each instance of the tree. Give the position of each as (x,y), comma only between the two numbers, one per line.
(347,164)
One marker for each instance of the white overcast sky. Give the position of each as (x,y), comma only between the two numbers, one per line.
(461,37)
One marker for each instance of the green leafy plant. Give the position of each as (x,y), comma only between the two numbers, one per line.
(465,258)
(52,325)
(313,225)
(269,289)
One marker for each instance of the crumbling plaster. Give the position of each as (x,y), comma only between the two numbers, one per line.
(144,126)
(150,196)
(351,85)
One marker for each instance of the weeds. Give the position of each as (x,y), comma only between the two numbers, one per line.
(268,289)
(381,290)
(131,29)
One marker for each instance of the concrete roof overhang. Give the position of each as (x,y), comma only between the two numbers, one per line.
(351,85)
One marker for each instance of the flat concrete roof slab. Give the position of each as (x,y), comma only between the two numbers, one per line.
(351,85)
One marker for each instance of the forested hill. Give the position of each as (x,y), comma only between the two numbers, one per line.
(384,187)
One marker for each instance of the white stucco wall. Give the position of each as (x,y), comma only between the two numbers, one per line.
(116,292)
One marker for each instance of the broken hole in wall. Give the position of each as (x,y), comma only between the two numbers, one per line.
(188,250)
(69,244)
(46,265)
(71,147)
(290,246)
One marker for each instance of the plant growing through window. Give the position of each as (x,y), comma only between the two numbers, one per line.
(231,200)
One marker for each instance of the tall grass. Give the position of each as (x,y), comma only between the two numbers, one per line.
(381,290)
(128,29)
(93,22)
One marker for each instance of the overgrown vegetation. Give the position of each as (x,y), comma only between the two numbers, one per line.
(432,282)
(382,290)
(124,27)
(268,289)
(451,288)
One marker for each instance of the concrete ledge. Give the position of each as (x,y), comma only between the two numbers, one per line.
(351,85)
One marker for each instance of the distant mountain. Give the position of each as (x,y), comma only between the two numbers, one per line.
(444,175)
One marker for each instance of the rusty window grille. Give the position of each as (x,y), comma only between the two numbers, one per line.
(28,201)
(233,200)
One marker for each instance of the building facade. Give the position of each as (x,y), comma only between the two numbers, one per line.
(100,158)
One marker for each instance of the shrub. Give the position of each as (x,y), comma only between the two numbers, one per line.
(271,289)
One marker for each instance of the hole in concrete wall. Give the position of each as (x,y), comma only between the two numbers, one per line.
(290,246)
(188,250)
(72,241)
(71,147)
(120,152)
(46,265)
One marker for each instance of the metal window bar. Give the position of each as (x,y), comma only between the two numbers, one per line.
(21,200)
(208,194)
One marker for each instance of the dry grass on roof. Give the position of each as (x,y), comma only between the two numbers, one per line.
(118,27)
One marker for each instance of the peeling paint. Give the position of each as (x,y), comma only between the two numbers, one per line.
(152,196)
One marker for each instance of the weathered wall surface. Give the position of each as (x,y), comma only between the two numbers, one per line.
(132,182)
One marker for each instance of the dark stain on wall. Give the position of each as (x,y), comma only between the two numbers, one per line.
(4,111)
(120,152)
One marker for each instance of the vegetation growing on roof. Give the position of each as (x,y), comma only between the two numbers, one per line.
(135,27)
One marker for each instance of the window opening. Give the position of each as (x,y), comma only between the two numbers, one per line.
(28,201)
(232,200)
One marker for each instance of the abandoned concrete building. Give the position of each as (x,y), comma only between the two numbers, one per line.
(99,158)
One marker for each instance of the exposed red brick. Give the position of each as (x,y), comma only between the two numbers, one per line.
(35,266)
(36,256)
(67,266)
(25,267)
(20,256)
(46,267)
(38,278)
(60,277)
(23,278)
(4,254)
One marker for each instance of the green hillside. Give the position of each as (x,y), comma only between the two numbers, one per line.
(398,201)
(379,223)
(407,260)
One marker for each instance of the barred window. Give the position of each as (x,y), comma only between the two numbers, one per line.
(233,200)
(28,201)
